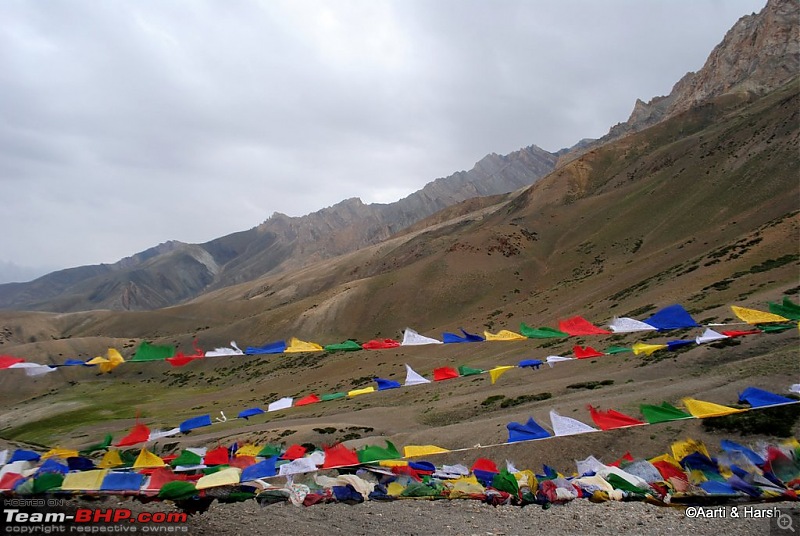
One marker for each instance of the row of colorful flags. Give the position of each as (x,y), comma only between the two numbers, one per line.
(117,470)
(781,316)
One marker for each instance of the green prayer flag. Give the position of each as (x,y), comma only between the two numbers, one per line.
(775,328)
(787,309)
(186,457)
(540,333)
(332,396)
(176,490)
(617,482)
(420,489)
(47,481)
(663,413)
(346,346)
(505,481)
(372,453)
(152,352)
(270,451)
(464,370)
(128,457)
(617,350)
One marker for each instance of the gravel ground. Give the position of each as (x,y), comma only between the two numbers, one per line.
(467,518)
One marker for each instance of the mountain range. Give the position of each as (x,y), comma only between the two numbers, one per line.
(174,272)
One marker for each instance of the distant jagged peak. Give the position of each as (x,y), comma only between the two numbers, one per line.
(760,53)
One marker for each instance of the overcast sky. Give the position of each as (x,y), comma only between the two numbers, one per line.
(124,124)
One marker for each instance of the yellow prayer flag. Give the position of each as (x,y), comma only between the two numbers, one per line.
(395,489)
(504,335)
(496,372)
(465,486)
(393,463)
(356,392)
(696,477)
(647,349)
(681,449)
(147,459)
(84,480)
(248,450)
(60,453)
(702,409)
(413,451)
(296,345)
(107,365)
(754,316)
(226,477)
(666,458)
(110,459)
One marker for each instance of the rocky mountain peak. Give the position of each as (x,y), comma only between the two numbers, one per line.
(758,54)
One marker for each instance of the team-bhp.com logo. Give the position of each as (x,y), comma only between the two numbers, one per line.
(94,521)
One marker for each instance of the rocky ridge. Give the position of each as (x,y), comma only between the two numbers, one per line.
(759,53)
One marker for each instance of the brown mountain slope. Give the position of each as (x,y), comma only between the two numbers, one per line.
(701,209)
(699,198)
(619,224)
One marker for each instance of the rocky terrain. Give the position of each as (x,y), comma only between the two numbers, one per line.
(758,54)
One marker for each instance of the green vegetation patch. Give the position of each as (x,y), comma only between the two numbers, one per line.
(590,385)
(778,421)
(45,430)
(510,402)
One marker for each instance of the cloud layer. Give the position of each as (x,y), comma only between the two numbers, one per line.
(126,124)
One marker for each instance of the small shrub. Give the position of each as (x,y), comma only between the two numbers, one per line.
(510,402)
(590,385)
(492,399)
(778,421)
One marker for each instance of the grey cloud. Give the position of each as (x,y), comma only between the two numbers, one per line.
(125,124)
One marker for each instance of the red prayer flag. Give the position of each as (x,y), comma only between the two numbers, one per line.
(180,360)
(8,360)
(585,353)
(9,480)
(310,399)
(139,434)
(668,471)
(736,333)
(444,373)
(338,455)
(577,325)
(218,456)
(380,345)
(294,452)
(482,464)
(162,475)
(242,461)
(608,420)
